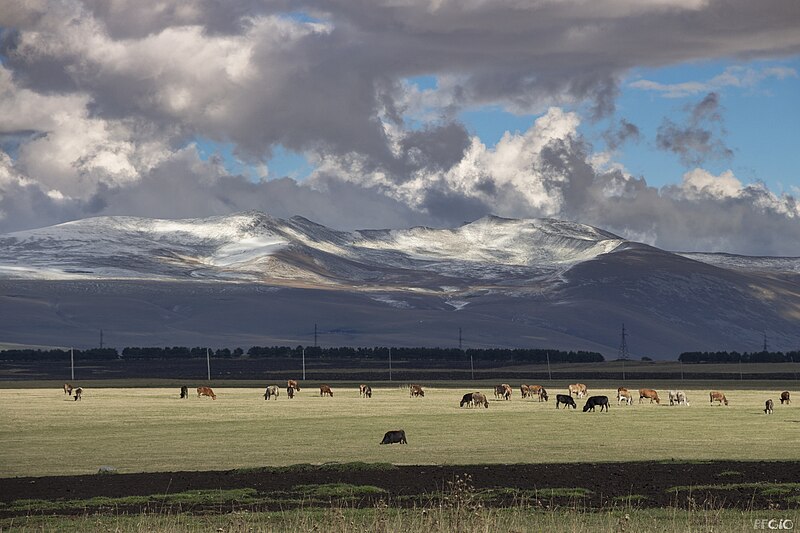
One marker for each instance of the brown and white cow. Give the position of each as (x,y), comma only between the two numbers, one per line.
(67,388)
(293,384)
(415,391)
(623,395)
(362,390)
(184,392)
(78,392)
(578,389)
(716,396)
(539,391)
(768,405)
(650,394)
(525,391)
(271,391)
(290,392)
(503,391)
(478,398)
(206,391)
(325,390)
(785,397)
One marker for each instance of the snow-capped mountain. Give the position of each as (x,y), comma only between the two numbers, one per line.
(251,279)
(255,247)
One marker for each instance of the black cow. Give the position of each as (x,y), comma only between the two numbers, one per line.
(184,392)
(594,401)
(566,399)
(466,400)
(394,436)
(78,393)
(368,392)
(768,406)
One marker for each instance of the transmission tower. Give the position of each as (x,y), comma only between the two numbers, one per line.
(766,346)
(623,346)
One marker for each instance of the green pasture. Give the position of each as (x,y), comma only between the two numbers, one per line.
(44,432)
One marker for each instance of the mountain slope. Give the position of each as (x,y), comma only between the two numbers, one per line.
(251,279)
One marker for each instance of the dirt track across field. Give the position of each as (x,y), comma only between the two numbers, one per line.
(606,483)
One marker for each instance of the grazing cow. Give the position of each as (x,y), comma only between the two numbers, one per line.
(362,390)
(768,407)
(503,391)
(466,400)
(717,396)
(682,399)
(206,391)
(578,389)
(395,436)
(566,399)
(785,397)
(594,401)
(624,396)
(525,391)
(368,392)
(184,392)
(673,397)
(271,391)
(290,392)
(78,391)
(325,390)
(67,389)
(416,391)
(479,398)
(649,393)
(539,392)
(293,384)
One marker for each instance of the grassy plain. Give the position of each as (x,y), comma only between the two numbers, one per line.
(43,432)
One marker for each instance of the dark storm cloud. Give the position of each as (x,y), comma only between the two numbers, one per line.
(620,133)
(697,140)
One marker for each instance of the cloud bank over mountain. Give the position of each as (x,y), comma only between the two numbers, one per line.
(103,107)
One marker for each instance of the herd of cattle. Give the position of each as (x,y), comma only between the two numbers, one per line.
(502,391)
(477,399)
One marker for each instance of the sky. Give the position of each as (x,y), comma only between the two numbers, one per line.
(671,122)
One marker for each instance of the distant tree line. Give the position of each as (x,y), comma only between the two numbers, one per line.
(523,355)
(735,357)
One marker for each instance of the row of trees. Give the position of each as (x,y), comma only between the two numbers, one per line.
(735,357)
(339,353)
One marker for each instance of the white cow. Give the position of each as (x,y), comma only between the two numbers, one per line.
(678,398)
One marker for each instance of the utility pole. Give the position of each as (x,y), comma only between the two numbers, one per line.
(101,339)
(390,364)
(208,363)
(72,363)
(623,350)
(766,346)
(315,335)
(549,373)
(461,349)
(304,363)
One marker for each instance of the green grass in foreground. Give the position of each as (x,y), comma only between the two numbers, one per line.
(43,432)
(441,519)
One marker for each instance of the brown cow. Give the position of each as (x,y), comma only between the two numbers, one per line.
(270,391)
(578,389)
(78,391)
(649,393)
(717,396)
(525,391)
(67,388)
(416,391)
(293,384)
(478,398)
(785,397)
(325,390)
(206,391)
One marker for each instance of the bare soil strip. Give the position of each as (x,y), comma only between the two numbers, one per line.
(744,485)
